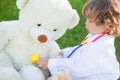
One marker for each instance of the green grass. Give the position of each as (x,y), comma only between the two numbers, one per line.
(9,11)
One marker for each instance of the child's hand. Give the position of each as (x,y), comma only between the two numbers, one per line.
(61,53)
(43,63)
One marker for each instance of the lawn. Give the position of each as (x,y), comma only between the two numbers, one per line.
(9,11)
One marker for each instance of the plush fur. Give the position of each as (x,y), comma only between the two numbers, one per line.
(40,23)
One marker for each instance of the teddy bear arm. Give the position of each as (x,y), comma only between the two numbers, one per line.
(3,41)
(5,60)
(7,31)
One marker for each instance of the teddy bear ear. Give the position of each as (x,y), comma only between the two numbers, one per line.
(75,19)
(21,3)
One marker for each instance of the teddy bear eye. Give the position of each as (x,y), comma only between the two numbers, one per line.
(38,24)
(54,29)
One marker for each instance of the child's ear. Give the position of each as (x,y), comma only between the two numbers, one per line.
(75,19)
(21,3)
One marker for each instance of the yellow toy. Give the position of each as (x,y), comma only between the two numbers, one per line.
(34,57)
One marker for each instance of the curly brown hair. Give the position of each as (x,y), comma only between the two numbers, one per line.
(104,12)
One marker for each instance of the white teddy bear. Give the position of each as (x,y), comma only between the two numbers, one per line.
(40,23)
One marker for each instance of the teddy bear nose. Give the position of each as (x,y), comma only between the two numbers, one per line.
(42,38)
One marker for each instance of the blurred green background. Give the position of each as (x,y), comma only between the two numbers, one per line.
(9,11)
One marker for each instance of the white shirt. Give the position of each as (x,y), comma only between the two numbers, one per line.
(93,61)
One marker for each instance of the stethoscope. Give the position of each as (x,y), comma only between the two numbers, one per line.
(84,43)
